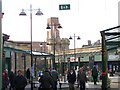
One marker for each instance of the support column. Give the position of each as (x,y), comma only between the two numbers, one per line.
(15,63)
(45,62)
(3,60)
(68,59)
(24,65)
(79,62)
(35,67)
(1,44)
(104,63)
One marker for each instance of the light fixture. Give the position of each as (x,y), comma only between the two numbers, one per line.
(22,13)
(39,12)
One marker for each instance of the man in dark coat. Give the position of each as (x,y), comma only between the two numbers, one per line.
(46,81)
(20,81)
(94,74)
(11,79)
(28,75)
(81,78)
(55,76)
(71,77)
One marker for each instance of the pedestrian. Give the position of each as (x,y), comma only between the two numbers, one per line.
(81,78)
(111,72)
(5,79)
(78,79)
(28,75)
(55,76)
(20,81)
(11,79)
(95,74)
(46,81)
(71,77)
(40,73)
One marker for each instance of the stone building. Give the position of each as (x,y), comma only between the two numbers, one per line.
(53,36)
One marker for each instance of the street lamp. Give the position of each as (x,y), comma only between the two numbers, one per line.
(24,14)
(53,27)
(74,37)
(43,47)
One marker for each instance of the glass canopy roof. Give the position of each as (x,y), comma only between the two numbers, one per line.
(112,38)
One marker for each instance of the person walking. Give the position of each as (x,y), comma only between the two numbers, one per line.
(11,80)
(40,73)
(20,81)
(71,77)
(81,78)
(55,76)
(46,81)
(28,75)
(5,79)
(95,74)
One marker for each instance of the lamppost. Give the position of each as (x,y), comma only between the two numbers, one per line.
(43,50)
(63,49)
(5,38)
(24,14)
(1,43)
(53,27)
(43,47)
(91,60)
(74,38)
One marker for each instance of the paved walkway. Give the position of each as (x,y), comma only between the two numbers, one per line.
(89,86)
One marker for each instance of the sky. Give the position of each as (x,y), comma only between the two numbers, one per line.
(86,19)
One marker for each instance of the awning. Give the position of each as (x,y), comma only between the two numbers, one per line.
(27,52)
